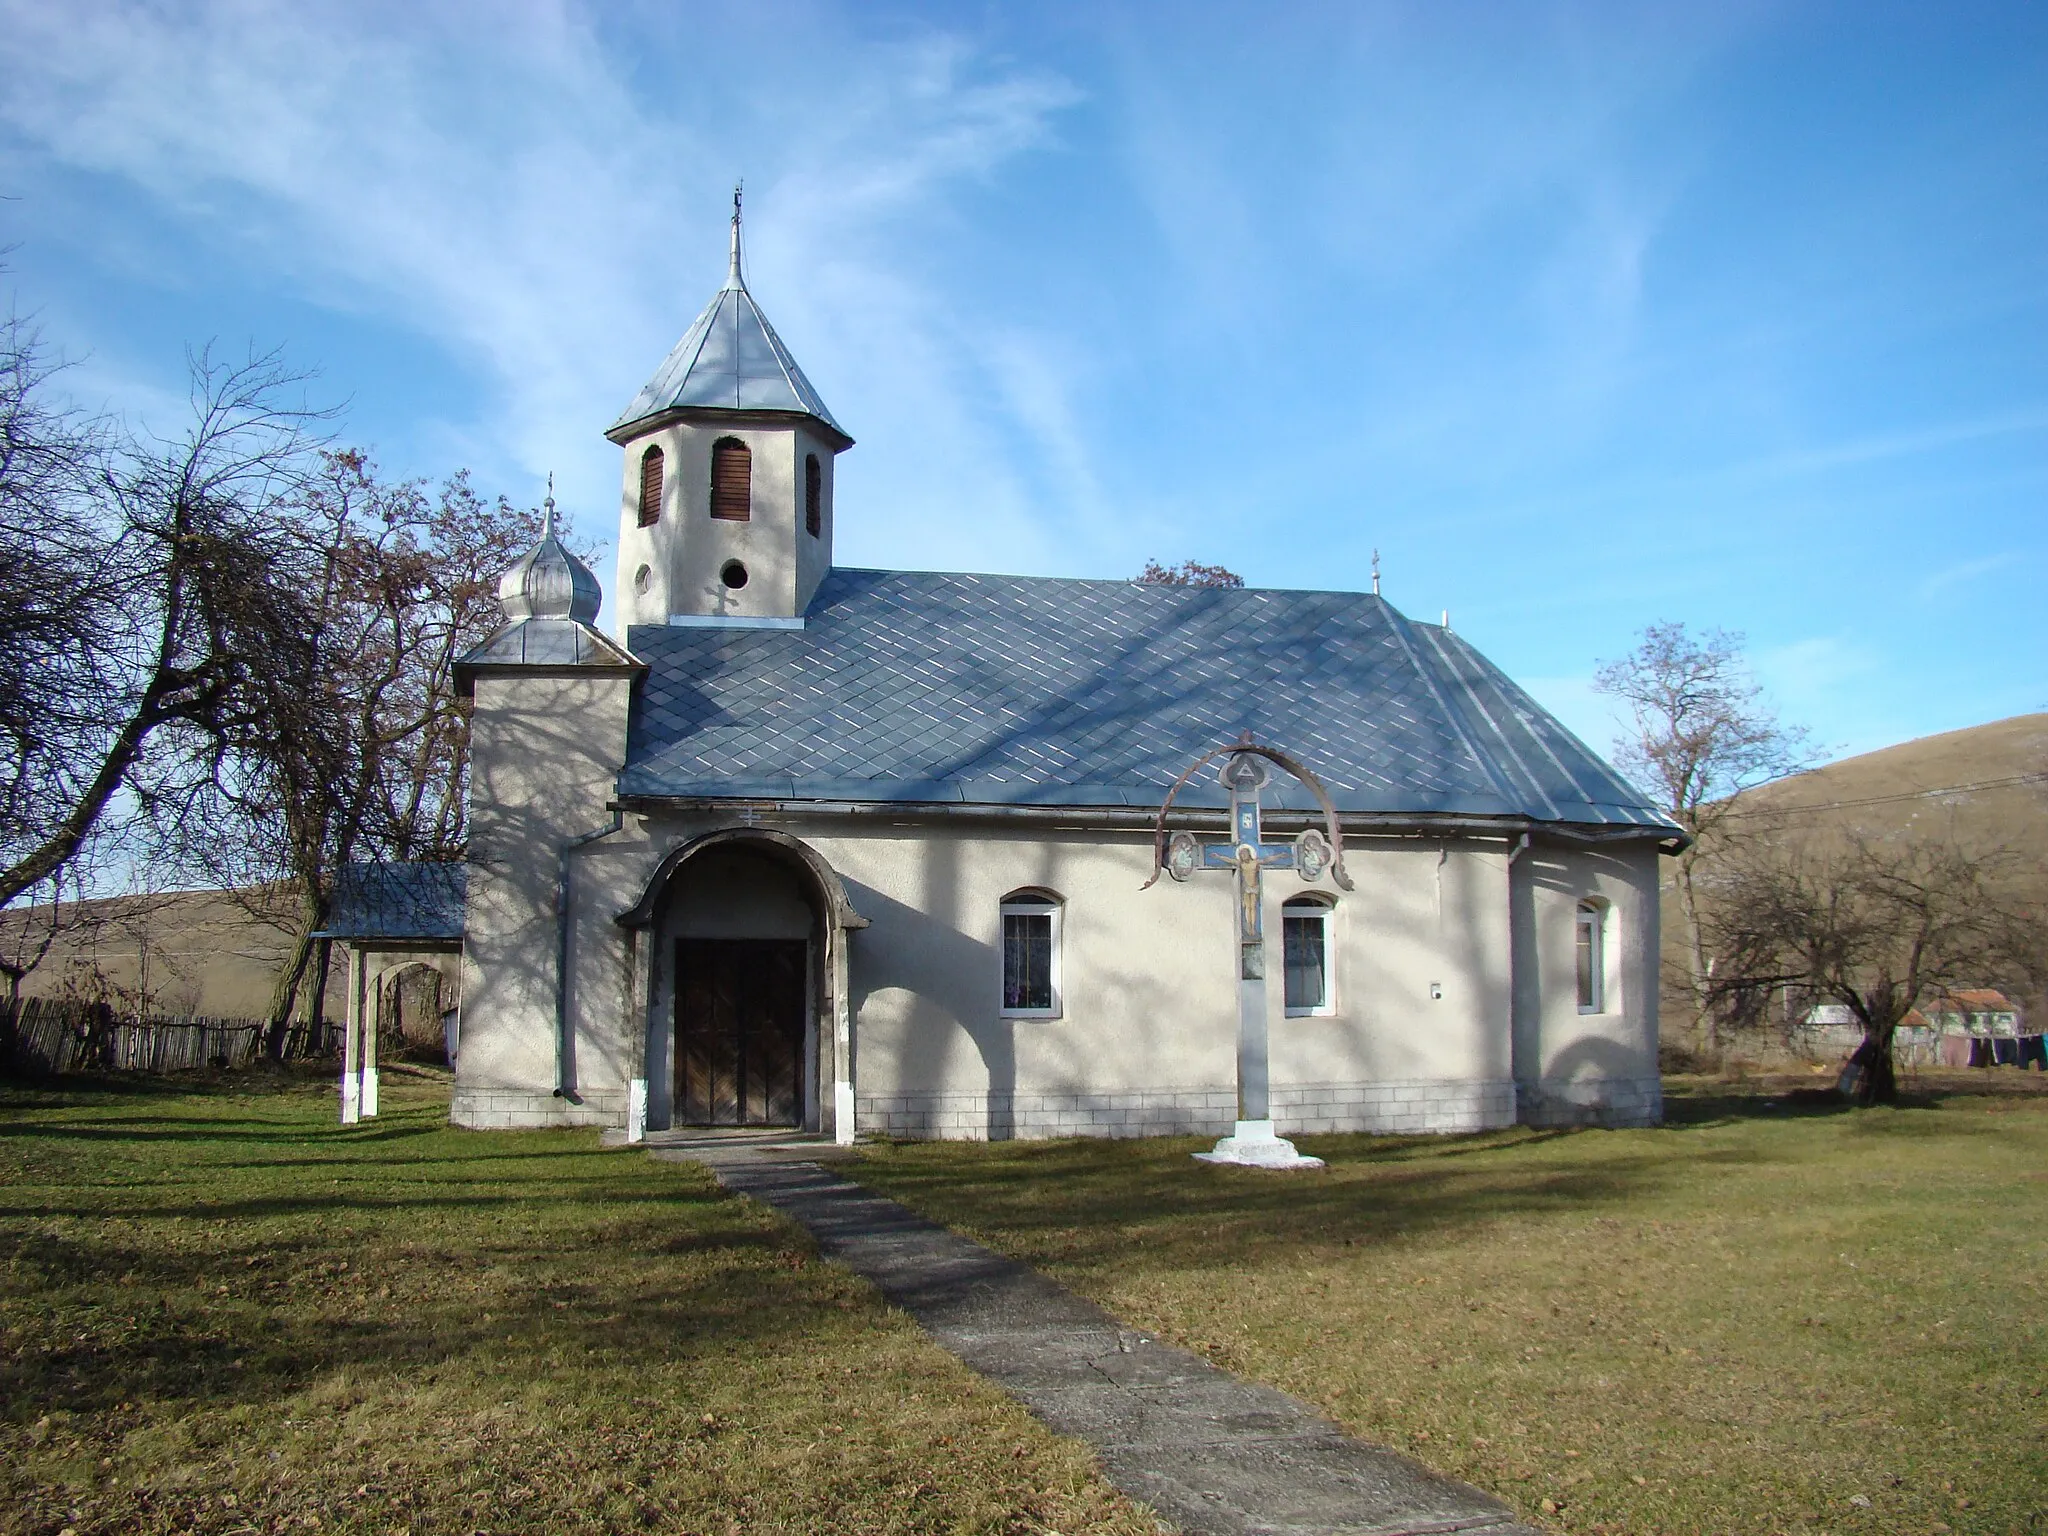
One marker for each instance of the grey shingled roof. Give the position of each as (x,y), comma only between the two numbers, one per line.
(1006,690)
(399,901)
(730,359)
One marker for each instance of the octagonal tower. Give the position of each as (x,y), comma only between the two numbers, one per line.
(725,511)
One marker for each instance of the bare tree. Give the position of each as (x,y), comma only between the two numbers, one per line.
(1878,926)
(1702,737)
(360,749)
(137,587)
(1188,573)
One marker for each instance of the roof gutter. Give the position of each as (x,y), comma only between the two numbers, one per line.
(1089,818)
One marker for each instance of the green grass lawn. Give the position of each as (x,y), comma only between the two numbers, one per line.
(1769,1315)
(219,1311)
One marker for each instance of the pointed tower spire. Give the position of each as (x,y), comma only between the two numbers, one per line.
(732,276)
(730,359)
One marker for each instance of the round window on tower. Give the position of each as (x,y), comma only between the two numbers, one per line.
(640,579)
(733,574)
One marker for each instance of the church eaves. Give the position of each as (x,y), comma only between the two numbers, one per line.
(730,359)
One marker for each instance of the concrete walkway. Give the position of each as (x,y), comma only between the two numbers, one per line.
(1215,1455)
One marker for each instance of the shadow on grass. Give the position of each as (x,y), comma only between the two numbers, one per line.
(200,1350)
(263,1132)
(38,1090)
(504,1270)
(1699,1110)
(1085,1204)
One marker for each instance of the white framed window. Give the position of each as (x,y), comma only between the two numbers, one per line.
(1590,957)
(1306,951)
(1031,955)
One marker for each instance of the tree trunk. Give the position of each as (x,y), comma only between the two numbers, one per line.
(1870,1075)
(316,1003)
(286,993)
(1696,954)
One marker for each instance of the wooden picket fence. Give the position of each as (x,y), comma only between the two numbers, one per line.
(42,1036)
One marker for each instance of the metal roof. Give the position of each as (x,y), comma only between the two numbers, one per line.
(545,643)
(730,359)
(396,900)
(916,686)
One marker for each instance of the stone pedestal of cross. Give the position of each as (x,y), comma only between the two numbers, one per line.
(1248,855)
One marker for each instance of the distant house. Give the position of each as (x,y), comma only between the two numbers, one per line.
(1975,1011)
(1970,1027)
(1974,1027)
(1827,1031)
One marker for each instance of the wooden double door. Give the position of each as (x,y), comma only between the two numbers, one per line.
(740,1016)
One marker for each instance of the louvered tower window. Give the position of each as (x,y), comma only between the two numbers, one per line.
(814,495)
(650,487)
(732,480)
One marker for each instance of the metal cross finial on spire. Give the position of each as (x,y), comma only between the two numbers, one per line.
(547,526)
(1375,573)
(733,278)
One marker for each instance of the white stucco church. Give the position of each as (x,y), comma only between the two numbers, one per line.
(861,851)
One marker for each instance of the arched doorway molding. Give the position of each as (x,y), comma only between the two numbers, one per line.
(643,922)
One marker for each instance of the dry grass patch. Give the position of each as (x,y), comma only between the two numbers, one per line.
(221,1312)
(1768,1315)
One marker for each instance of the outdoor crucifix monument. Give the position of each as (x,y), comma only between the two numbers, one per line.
(1248,855)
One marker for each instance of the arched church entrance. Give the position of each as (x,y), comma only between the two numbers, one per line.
(743,934)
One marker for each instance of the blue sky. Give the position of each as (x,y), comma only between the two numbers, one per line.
(1583,316)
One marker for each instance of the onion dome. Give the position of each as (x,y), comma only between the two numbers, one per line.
(548,582)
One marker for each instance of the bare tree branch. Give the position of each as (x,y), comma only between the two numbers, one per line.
(1703,737)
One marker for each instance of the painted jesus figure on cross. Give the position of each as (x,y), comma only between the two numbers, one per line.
(1248,855)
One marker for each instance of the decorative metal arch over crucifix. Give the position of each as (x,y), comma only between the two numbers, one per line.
(1247,854)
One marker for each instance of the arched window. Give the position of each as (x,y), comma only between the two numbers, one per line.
(1310,989)
(732,480)
(1591,958)
(814,495)
(1031,955)
(650,487)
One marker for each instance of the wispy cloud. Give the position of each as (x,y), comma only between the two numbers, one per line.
(1938,585)
(493,178)
(1907,442)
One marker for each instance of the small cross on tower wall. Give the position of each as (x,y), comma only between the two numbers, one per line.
(1248,855)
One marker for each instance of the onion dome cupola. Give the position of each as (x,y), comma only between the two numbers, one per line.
(548,582)
(725,515)
(551,601)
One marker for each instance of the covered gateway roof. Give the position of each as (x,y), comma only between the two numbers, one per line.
(397,900)
(915,686)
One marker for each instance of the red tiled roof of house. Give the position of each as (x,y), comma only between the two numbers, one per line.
(1977,1000)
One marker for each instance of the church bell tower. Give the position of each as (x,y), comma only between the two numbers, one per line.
(725,513)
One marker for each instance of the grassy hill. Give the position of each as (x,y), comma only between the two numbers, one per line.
(1986,786)
(172,952)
